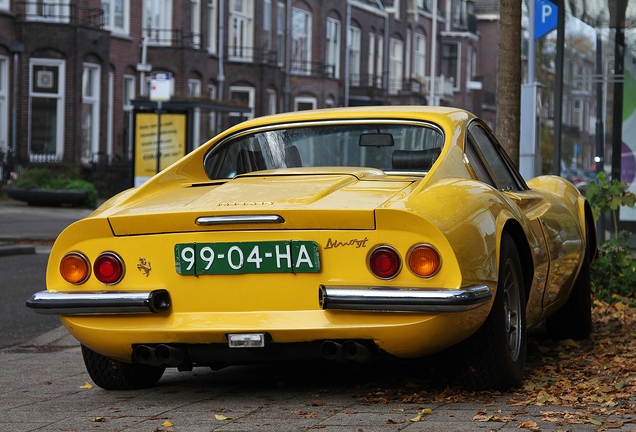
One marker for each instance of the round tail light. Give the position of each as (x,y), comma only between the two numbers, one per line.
(424,260)
(385,262)
(75,268)
(109,268)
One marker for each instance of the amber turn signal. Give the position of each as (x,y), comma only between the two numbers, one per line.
(75,268)
(424,260)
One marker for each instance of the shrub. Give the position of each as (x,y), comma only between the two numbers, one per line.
(43,178)
(614,272)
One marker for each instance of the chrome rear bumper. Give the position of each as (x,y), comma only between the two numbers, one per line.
(99,302)
(403,299)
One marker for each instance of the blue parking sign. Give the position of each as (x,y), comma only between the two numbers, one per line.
(545,19)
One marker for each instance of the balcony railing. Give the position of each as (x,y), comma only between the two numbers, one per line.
(311,68)
(172,37)
(444,87)
(365,80)
(250,55)
(61,13)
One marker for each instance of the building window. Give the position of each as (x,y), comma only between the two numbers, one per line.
(109,115)
(129,95)
(379,65)
(396,64)
(4,109)
(4,4)
(241,46)
(419,57)
(280,32)
(333,46)
(195,17)
(90,112)
(271,102)
(301,42)
(267,24)
(194,91)
(46,100)
(246,97)
(212,26)
(158,21)
(45,10)
(116,13)
(354,56)
(305,103)
(409,38)
(450,62)
(371,61)
(577,113)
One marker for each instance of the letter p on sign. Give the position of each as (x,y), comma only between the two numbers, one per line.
(546,18)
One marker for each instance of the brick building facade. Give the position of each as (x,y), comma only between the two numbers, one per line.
(72,74)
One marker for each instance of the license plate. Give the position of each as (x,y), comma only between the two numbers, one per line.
(292,256)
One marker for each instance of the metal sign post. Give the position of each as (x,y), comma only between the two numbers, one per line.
(159,91)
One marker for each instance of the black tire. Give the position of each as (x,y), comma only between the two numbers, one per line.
(112,374)
(573,320)
(494,357)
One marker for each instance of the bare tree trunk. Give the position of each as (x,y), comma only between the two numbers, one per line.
(509,78)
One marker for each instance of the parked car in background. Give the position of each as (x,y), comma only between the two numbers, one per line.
(342,234)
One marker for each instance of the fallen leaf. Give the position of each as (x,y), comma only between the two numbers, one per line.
(222,417)
(98,420)
(166,424)
(528,425)
(570,343)
(389,421)
(416,419)
(426,411)
(86,386)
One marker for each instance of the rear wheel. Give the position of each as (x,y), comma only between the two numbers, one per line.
(574,319)
(112,374)
(495,356)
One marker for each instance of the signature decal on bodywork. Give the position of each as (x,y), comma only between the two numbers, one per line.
(253,203)
(353,242)
(144,266)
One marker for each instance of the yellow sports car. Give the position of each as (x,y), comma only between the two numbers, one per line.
(343,234)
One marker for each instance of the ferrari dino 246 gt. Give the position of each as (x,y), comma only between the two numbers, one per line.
(341,234)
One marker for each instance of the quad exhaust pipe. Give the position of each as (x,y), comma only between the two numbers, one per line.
(349,350)
(161,355)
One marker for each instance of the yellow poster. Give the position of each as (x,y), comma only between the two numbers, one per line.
(173,143)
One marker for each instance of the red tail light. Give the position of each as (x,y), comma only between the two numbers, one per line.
(109,268)
(385,262)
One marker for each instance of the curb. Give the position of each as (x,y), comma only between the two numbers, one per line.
(17,250)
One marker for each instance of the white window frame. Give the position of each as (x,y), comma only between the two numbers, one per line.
(241,31)
(301,43)
(281,24)
(333,45)
(251,100)
(93,101)
(59,96)
(157,22)
(212,26)
(194,90)
(419,57)
(305,99)
(127,97)
(49,10)
(396,65)
(272,101)
(195,23)
(110,16)
(379,64)
(408,54)
(371,60)
(355,38)
(110,114)
(4,103)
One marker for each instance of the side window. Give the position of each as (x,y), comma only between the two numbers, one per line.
(495,160)
(476,164)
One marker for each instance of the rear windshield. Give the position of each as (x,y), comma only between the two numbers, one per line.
(386,146)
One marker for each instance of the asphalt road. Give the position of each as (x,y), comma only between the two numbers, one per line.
(21,276)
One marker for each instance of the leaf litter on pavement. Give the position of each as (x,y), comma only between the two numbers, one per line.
(597,376)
